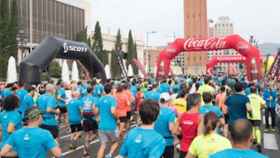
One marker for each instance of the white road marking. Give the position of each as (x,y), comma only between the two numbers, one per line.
(270,141)
(65,136)
(78,148)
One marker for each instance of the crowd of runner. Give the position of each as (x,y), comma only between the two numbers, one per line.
(196,117)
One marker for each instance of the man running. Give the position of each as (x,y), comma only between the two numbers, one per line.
(257,104)
(106,107)
(32,141)
(241,134)
(144,141)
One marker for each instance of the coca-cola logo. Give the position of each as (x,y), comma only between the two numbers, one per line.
(205,44)
(71,48)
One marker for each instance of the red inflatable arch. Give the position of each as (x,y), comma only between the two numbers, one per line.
(223,59)
(251,53)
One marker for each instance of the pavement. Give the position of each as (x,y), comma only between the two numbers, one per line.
(271,143)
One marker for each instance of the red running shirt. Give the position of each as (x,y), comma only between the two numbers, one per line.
(189,123)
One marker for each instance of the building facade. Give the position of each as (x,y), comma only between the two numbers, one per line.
(195,26)
(49,18)
(223,27)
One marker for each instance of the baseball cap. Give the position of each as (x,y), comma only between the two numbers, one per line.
(165,96)
(32,114)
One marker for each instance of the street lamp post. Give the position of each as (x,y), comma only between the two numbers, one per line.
(147,47)
(31,23)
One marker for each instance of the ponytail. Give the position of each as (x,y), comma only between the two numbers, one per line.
(210,122)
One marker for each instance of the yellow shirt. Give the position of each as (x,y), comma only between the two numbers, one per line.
(255,103)
(206,88)
(203,146)
(180,105)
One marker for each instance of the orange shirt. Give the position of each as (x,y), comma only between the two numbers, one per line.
(220,100)
(129,96)
(122,104)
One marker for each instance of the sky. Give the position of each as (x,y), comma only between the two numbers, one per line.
(260,18)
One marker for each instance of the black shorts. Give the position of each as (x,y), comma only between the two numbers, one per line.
(226,118)
(256,123)
(53,129)
(129,114)
(124,119)
(90,125)
(76,128)
(63,109)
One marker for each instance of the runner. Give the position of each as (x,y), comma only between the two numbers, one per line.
(48,105)
(90,125)
(122,109)
(188,124)
(237,104)
(28,101)
(257,104)
(206,87)
(61,96)
(10,120)
(270,97)
(180,103)
(74,109)
(108,132)
(165,125)
(31,141)
(241,133)
(152,93)
(210,142)
(144,141)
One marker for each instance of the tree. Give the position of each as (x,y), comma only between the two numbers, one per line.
(8,33)
(97,46)
(135,68)
(115,66)
(55,69)
(131,52)
(82,37)
(130,48)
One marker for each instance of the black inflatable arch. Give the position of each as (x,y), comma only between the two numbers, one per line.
(53,47)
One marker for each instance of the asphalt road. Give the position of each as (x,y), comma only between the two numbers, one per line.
(271,146)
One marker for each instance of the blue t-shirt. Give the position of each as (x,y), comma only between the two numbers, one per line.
(83,90)
(107,120)
(7,117)
(6,92)
(165,117)
(164,88)
(61,94)
(98,90)
(74,111)
(142,143)
(48,101)
(152,95)
(210,108)
(237,153)
(27,103)
(133,90)
(21,93)
(236,105)
(88,103)
(32,142)
(270,97)
(42,103)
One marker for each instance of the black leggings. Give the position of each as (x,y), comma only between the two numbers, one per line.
(183,154)
(168,152)
(272,113)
